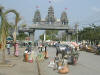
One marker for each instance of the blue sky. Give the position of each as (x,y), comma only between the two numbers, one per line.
(81,11)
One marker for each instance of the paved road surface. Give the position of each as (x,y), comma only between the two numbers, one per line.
(88,64)
(20,68)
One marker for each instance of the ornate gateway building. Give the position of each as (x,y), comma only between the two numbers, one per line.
(49,23)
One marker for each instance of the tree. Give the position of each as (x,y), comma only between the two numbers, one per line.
(37,17)
(21,36)
(50,35)
(86,34)
(42,37)
(1,11)
(11,29)
(64,36)
(4,29)
(91,34)
(24,25)
(63,18)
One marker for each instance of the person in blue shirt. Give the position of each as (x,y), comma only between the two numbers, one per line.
(8,47)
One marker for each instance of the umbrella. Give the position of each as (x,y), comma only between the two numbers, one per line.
(75,44)
(9,38)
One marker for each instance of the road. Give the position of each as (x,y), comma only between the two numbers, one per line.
(20,68)
(88,64)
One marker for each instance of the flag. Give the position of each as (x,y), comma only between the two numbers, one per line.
(49,1)
(37,6)
(66,8)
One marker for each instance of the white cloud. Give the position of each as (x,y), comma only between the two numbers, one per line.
(95,9)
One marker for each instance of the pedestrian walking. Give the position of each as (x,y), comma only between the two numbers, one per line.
(46,52)
(57,48)
(8,47)
(29,46)
(16,45)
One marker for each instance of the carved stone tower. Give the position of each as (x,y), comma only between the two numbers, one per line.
(50,17)
(63,18)
(37,17)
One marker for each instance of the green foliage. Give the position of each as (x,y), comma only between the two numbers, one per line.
(4,28)
(50,35)
(74,37)
(24,25)
(21,36)
(42,37)
(90,33)
(50,32)
(0,32)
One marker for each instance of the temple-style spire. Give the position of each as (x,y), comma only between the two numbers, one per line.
(37,16)
(50,18)
(64,18)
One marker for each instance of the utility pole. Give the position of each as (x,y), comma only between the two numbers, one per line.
(44,36)
(76,28)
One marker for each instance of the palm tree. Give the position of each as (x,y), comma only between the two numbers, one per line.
(4,29)
(1,8)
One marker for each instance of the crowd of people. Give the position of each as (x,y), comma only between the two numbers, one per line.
(15,45)
(41,53)
(65,54)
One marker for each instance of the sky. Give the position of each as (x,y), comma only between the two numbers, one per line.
(82,12)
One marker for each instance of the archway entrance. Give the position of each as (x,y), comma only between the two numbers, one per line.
(44,26)
(49,23)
